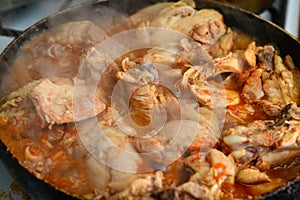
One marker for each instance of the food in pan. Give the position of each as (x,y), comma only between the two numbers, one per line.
(231,104)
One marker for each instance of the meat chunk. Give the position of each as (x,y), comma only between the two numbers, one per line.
(195,190)
(271,143)
(59,100)
(252,89)
(164,14)
(252,176)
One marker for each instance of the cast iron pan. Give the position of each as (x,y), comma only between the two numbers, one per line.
(263,31)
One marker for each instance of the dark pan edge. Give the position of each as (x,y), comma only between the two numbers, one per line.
(288,44)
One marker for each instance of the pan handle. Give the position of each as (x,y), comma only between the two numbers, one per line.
(9,32)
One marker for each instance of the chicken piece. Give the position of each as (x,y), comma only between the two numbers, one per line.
(277,158)
(98,65)
(59,100)
(250,54)
(252,89)
(141,75)
(272,89)
(229,63)
(177,136)
(165,56)
(207,32)
(211,172)
(266,141)
(148,13)
(207,26)
(239,112)
(195,190)
(252,176)
(99,175)
(223,168)
(183,52)
(166,14)
(110,146)
(265,57)
(271,85)
(145,185)
(286,80)
(224,45)
(169,144)
(192,52)
(208,93)
(150,103)
(114,156)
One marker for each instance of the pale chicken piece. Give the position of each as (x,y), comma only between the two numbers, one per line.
(252,176)
(286,80)
(177,136)
(223,46)
(195,190)
(111,154)
(149,102)
(96,170)
(211,171)
(192,52)
(63,102)
(277,158)
(209,95)
(56,102)
(224,168)
(163,15)
(148,13)
(206,26)
(250,54)
(229,63)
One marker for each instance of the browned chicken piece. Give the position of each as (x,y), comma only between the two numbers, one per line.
(264,140)
(271,85)
(59,100)
(252,89)
(265,57)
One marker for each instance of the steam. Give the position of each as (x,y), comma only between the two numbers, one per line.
(55,47)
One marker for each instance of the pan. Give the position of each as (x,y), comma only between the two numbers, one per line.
(262,30)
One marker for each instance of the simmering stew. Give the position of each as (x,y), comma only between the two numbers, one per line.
(210,115)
